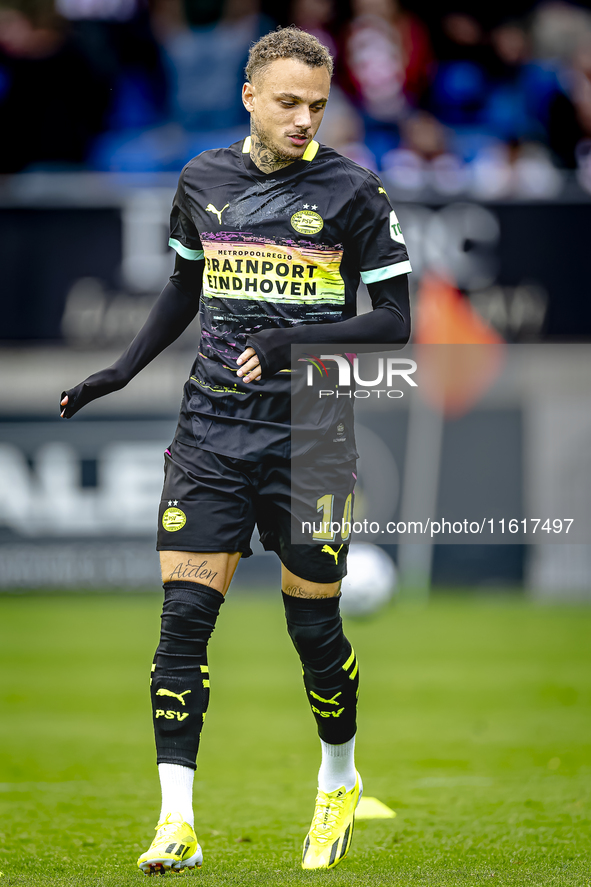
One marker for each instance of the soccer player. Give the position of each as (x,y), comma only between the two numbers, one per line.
(271,237)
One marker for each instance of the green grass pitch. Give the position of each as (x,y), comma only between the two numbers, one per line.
(475,719)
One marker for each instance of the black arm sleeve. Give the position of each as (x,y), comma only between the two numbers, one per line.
(173,311)
(388,323)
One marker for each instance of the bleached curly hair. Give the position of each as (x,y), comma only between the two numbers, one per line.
(287,43)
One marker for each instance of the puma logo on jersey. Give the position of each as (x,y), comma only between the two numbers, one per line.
(326,549)
(332,701)
(164,692)
(382,191)
(210,208)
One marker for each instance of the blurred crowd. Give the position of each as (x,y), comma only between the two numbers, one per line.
(494,99)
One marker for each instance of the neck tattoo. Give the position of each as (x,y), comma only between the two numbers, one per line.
(263,157)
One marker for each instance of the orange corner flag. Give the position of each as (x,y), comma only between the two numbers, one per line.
(454,379)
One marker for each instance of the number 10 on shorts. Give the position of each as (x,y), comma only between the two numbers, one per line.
(326,529)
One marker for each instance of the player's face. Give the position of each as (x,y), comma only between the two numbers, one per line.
(286,103)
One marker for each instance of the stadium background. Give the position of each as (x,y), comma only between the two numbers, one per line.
(478,119)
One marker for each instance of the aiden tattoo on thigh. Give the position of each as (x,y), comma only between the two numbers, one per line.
(198,572)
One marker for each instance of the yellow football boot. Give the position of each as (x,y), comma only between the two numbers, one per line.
(174,848)
(331,831)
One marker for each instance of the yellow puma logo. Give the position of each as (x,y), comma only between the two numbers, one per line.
(332,701)
(179,696)
(210,208)
(326,549)
(382,191)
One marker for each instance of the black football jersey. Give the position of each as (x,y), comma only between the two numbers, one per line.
(280,249)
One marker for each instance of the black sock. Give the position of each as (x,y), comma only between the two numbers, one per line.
(180,674)
(331,673)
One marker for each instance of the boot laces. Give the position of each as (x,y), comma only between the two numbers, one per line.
(326,816)
(165,829)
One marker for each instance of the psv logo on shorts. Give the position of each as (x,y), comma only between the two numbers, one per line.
(174,519)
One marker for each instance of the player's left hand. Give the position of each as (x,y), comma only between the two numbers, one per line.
(250,368)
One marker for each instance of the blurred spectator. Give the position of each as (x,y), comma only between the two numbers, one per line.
(119,10)
(558,29)
(117,38)
(342,129)
(52,101)
(424,158)
(515,170)
(424,134)
(580,90)
(384,66)
(525,93)
(460,35)
(459,89)
(489,88)
(201,13)
(581,86)
(120,44)
(206,67)
(205,48)
(562,34)
(317,17)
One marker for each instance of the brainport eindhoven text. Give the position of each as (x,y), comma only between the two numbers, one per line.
(388,372)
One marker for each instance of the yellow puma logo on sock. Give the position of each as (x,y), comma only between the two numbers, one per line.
(179,696)
(332,701)
(326,549)
(210,208)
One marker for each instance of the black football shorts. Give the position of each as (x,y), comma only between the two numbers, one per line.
(212,503)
